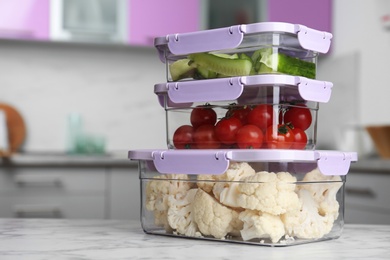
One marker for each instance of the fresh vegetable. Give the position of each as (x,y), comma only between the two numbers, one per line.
(261,225)
(299,116)
(300,138)
(279,137)
(181,216)
(239,112)
(249,137)
(283,63)
(225,190)
(203,115)
(220,65)
(213,218)
(245,204)
(261,116)
(206,138)
(226,130)
(268,192)
(183,137)
(181,69)
(156,195)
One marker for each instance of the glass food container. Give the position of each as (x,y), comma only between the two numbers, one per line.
(243,50)
(250,112)
(261,197)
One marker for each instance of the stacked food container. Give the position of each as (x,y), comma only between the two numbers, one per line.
(241,120)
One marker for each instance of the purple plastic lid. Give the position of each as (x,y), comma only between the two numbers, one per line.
(217,161)
(243,89)
(232,37)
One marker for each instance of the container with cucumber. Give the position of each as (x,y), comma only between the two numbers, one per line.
(262,61)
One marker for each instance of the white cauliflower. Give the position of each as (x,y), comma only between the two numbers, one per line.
(180,214)
(261,225)
(307,222)
(269,192)
(214,218)
(226,189)
(323,189)
(157,192)
(235,171)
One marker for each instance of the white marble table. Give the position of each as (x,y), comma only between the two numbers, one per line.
(47,239)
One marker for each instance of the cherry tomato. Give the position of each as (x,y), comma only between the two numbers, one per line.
(240,112)
(261,116)
(299,117)
(249,137)
(203,115)
(300,138)
(279,137)
(226,129)
(183,137)
(205,137)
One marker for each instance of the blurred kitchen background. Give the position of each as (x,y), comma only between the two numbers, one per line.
(71,67)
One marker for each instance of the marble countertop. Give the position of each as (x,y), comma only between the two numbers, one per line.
(42,239)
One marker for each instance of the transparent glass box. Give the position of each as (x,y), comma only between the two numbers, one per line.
(262,197)
(243,50)
(222,113)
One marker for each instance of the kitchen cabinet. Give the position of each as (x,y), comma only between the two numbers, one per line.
(367,198)
(314,14)
(124,198)
(149,19)
(24,19)
(53,192)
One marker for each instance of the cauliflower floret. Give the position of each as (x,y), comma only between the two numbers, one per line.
(157,192)
(323,190)
(268,192)
(226,190)
(261,225)
(180,214)
(235,171)
(307,222)
(213,218)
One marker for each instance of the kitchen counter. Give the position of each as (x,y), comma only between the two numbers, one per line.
(65,160)
(34,239)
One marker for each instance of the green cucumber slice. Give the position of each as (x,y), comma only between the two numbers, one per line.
(243,56)
(264,69)
(282,63)
(227,56)
(225,66)
(181,68)
(205,73)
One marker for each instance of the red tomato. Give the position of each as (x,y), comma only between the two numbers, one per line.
(300,138)
(226,130)
(183,137)
(249,137)
(299,117)
(203,115)
(205,137)
(240,112)
(279,137)
(261,116)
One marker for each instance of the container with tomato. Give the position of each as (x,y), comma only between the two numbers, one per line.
(243,50)
(254,112)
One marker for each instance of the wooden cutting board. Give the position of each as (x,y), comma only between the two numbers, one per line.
(16,127)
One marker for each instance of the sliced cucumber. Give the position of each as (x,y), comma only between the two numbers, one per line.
(205,73)
(181,68)
(227,56)
(243,56)
(263,69)
(225,66)
(282,63)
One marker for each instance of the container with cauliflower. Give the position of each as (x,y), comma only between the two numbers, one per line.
(243,50)
(263,197)
(264,111)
